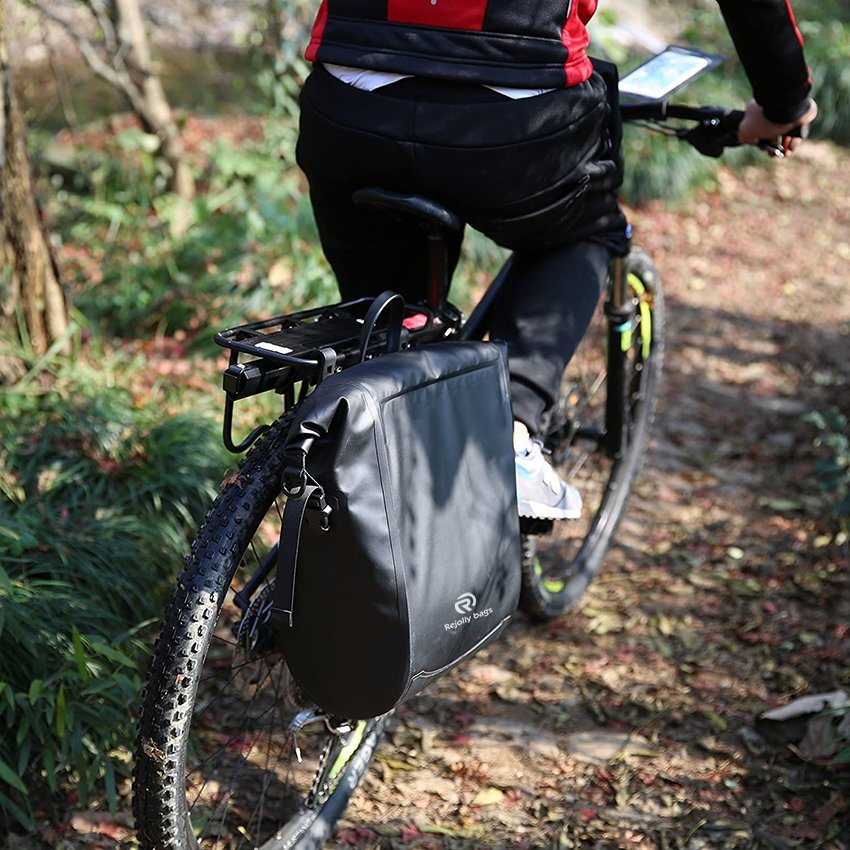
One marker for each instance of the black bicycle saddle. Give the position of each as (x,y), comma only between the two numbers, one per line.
(428,212)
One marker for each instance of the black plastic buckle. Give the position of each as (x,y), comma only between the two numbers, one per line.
(453,316)
(295,477)
(327,363)
(319,503)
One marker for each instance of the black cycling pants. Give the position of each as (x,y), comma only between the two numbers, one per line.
(537,175)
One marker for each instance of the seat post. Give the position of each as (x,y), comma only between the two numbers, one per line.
(434,219)
(438,271)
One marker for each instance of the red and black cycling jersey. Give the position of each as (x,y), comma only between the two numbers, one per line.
(537,43)
(516,43)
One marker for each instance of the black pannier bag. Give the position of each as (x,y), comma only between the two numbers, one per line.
(414,563)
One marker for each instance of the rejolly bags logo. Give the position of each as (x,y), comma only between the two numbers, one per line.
(465,606)
(465,603)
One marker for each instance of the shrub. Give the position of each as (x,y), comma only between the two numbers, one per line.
(828,53)
(833,468)
(162,266)
(96,500)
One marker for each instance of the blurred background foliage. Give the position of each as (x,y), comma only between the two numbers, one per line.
(110,457)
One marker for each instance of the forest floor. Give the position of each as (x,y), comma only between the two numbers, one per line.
(629,722)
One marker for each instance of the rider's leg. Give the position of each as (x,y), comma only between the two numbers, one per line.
(548,301)
(533,174)
(545,307)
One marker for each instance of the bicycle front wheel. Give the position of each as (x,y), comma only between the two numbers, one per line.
(222,762)
(559,564)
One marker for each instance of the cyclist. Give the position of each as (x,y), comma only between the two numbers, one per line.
(493,108)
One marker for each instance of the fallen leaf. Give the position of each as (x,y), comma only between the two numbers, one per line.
(411,832)
(487,797)
(716,720)
(782,505)
(355,835)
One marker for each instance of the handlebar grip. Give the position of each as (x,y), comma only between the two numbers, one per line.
(720,131)
(716,133)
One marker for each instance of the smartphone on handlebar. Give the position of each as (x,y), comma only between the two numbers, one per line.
(665,73)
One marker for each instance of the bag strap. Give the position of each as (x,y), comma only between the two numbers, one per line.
(287,555)
(392,303)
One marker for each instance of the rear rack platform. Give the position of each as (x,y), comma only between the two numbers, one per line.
(275,354)
(307,345)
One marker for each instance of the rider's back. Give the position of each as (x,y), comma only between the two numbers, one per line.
(522,44)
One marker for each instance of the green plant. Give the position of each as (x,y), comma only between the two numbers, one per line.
(97,498)
(480,261)
(658,167)
(833,469)
(843,755)
(828,53)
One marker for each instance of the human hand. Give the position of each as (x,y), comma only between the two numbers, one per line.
(754,126)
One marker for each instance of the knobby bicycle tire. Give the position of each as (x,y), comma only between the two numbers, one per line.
(557,567)
(206,656)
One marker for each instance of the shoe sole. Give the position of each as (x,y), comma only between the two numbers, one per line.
(537,510)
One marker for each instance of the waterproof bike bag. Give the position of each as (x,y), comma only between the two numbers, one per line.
(400,548)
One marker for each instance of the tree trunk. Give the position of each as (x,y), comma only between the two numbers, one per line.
(147,95)
(29,284)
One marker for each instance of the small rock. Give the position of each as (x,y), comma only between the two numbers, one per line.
(543,748)
(489,674)
(602,747)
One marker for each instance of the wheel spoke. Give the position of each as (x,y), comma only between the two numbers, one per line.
(232,738)
(230,669)
(258,809)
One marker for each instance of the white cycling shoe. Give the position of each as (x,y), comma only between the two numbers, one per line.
(541,493)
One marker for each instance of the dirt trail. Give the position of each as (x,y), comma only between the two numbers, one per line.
(627,722)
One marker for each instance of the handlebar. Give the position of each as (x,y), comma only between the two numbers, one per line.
(716,128)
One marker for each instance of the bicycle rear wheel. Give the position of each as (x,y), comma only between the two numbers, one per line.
(561,559)
(217,765)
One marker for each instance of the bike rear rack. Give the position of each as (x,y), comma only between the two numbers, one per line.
(304,347)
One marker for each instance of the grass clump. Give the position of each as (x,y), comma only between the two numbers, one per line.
(828,53)
(833,467)
(97,499)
